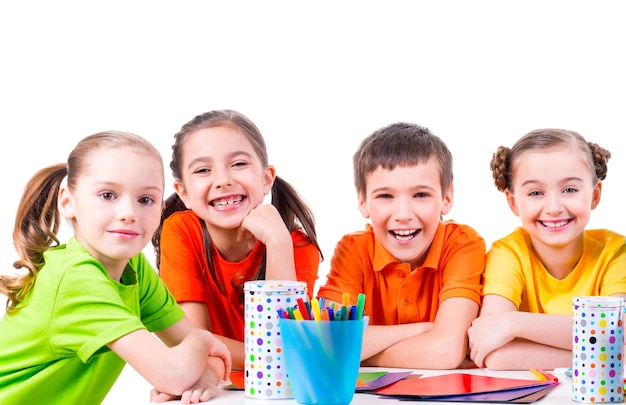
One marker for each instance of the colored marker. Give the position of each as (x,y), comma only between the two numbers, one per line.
(344,313)
(298,315)
(315,309)
(331,314)
(360,304)
(322,302)
(353,313)
(345,299)
(539,376)
(549,377)
(303,309)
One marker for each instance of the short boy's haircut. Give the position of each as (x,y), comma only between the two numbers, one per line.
(400,144)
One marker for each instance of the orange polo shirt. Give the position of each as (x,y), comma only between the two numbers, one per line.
(184,270)
(397,294)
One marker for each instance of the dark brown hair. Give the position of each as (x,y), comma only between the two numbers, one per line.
(292,208)
(400,144)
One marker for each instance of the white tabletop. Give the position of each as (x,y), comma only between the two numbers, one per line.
(131,389)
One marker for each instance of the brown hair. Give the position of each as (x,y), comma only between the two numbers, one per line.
(503,160)
(400,144)
(292,208)
(37,220)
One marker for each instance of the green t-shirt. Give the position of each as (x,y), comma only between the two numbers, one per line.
(53,350)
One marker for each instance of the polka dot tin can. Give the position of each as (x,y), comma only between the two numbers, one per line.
(265,376)
(597,349)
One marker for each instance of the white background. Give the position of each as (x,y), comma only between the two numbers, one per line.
(316,78)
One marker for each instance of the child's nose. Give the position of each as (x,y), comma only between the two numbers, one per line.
(402,209)
(126,211)
(554,203)
(222,178)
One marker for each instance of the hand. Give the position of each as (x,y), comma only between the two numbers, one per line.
(265,224)
(191,396)
(203,390)
(219,349)
(488,333)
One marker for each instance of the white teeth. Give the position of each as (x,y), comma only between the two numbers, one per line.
(226,203)
(404,234)
(554,224)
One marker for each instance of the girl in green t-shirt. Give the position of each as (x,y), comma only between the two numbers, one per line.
(83,309)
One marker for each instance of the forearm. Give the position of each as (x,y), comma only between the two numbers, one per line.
(182,361)
(434,349)
(545,329)
(237,351)
(377,338)
(280,259)
(523,355)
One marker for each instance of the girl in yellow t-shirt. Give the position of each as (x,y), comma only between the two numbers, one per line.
(552,179)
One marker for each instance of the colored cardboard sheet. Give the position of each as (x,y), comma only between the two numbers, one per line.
(525,395)
(367,381)
(455,384)
(379,380)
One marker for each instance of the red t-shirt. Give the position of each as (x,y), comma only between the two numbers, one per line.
(184,270)
(395,293)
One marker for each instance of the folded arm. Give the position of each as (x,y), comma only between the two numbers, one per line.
(440,345)
(504,338)
(199,317)
(178,364)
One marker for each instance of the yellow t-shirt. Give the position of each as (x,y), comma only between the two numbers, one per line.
(513,271)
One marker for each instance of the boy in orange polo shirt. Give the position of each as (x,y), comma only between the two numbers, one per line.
(421,275)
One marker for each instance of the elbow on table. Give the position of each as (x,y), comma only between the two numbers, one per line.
(452,359)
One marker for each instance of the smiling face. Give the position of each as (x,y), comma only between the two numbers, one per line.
(405,205)
(115,204)
(553,193)
(223,178)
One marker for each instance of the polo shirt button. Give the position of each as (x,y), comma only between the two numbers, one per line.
(407,301)
(400,273)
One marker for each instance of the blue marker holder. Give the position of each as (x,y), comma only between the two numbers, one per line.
(322,359)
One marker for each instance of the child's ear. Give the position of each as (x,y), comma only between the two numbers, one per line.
(510,198)
(597,193)
(363,206)
(447,200)
(179,188)
(269,175)
(65,202)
